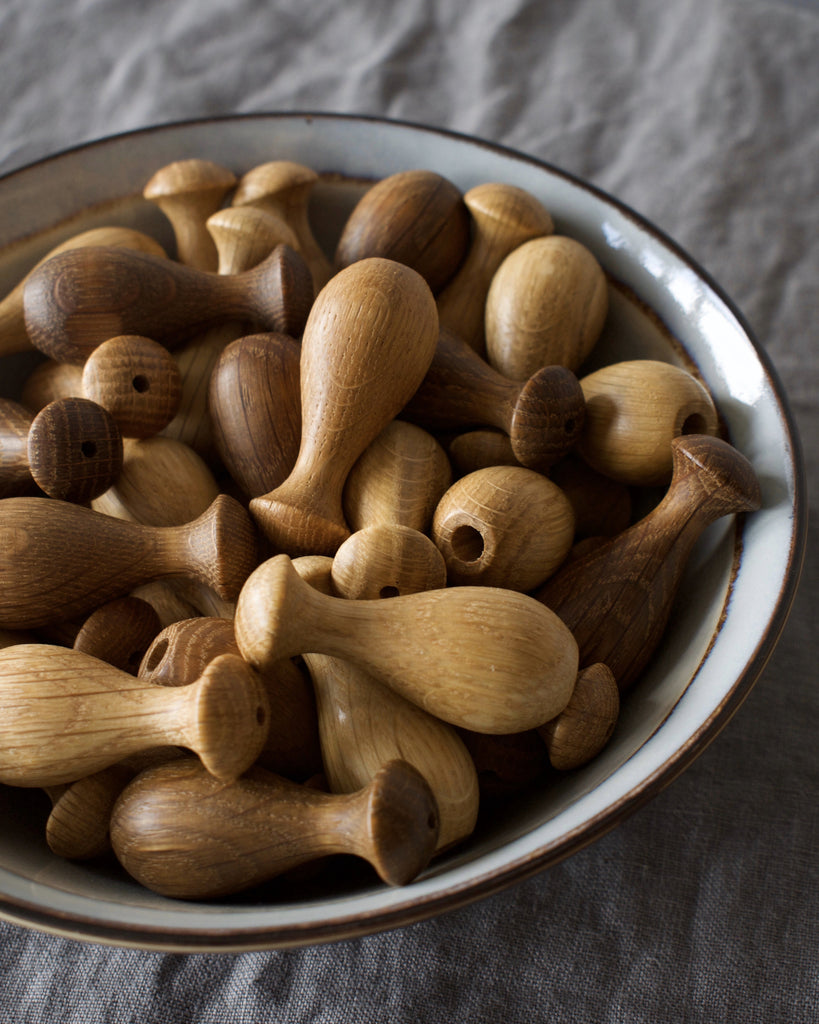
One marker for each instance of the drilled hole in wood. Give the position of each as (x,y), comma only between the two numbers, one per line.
(467,543)
(694,424)
(260,715)
(388,592)
(89,449)
(157,653)
(141,383)
(569,425)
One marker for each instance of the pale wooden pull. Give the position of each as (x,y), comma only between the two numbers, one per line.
(480,657)
(66,715)
(182,833)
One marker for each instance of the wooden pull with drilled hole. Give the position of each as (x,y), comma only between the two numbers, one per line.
(15,475)
(60,561)
(188,192)
(74,450)
(81,298)
(633,411)
(180,654)
(504,526)
(136,380)
(617,597)
(283,188)
(480,657)
(255,405)
(585,725)
(398,479)
(415,217)
(13,334)
(181,833)
(363,725)
(543,416)
(368,342)
(502,218)
(66,715)
(386,560)
(119,632)
(546,306)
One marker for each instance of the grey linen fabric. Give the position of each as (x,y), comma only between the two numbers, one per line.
(702,115)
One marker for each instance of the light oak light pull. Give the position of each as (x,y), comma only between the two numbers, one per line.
(368,341)
(480,657)
(65,715)
(181,833)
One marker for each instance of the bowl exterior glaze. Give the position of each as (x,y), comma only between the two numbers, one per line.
(737,591)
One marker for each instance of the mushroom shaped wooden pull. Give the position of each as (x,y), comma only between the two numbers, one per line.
(368,341)
(480,657)
(616,598)
(79,299)
(66,714)
(546,306)
(416,217)
(182,833)
(633,411)
(543,416)
(60,561)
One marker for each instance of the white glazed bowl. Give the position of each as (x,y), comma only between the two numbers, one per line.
(737,591)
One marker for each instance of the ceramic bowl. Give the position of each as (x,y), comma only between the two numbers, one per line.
(738,585)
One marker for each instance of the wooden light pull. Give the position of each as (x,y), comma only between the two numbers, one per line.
(136,380)
(585,725)
(255,406)
(244,236)
(188,192)
(13,334)
(180,654)
(368,341)
(503,217)
(74,450)
(181,833)
(398,479)
(119,632)
(435,649)
(66,715)
(283,187)
(15,475)
(543,417)
(387,560)
(77,827)
(617,597)
(633,411)
(81,298)
(503,526)
(546,306)
(60,561)
(416,217)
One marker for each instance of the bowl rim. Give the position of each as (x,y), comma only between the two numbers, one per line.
(416,907)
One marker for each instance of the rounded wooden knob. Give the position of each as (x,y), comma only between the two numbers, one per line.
(137,381)
(119,632)
(503,526)
(74,450)
(502,218)
(433,648)
(188,192)
(245,236)
(415,217)
(368,341)
(546,306)
(182,651)
(585,725)
(399,478)
(634,409)
(180,835)
(255,405)
(385,560)
(66,715)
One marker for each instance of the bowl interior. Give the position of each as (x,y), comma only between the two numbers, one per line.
(730,609)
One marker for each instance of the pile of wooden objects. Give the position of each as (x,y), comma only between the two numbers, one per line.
(302,557)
